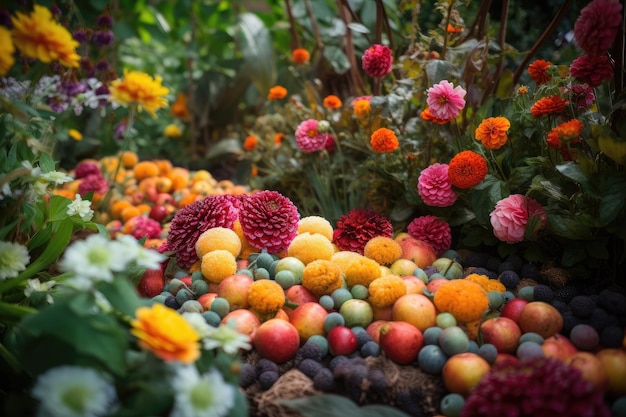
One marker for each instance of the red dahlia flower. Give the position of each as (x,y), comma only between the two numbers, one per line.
(596,27)
(377,60)
(432,230)
(357,227)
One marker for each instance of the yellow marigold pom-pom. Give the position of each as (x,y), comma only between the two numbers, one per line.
(384,291)
(218,238)
(316,224)
(310,247)
(322,277)
(266,296)
(217,265)
(464,299)
(383,250)
(362,271)
(344,258)
(487,284)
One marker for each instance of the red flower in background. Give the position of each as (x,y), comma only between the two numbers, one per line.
(377,60)
(548,105)
(467,169)
(432,230)
(357,227)
(592,69)
(597,25)
(539,71)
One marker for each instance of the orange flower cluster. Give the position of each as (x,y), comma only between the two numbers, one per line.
(467,169)
(539,71)
(179,108)
(492,132)
(278,138)
(300,56)
(384,140)
(250,143)
(277,92)
(567,131)
(332,102)
(429,117)
(465,300)
(548,105)
(452,29)
(362,108)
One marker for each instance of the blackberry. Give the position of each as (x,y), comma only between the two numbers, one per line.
(341,370)
(309,367)
(582,306)
(516,260)
(560,305)
(475,260)
(566,293)
(378,380)
(612,336)
(505,266)
(598,319)
(337,360)
(357,375)
(309,351)
(510,279)
(493,263)
(613,320)
(324,380)
(543,293)
(267,379)
(171,302)
(613,301)
(569,321)
(247,375)
(370,349)
(264,365)
(362,338)
(529,270)
(407,403)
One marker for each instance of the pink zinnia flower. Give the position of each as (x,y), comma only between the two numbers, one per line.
(269,220)
(93,182)
(86,168)
(432,230)
(591,69)
(357,227)
(145,226)
(377,60)
(308,137)
(434,187)
(596,27)
(196,218)
(445,101)
(511,214)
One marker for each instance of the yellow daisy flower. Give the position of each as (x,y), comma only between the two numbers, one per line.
(139,89)
(75,134)
(6,51)
(172,131)
(37,35)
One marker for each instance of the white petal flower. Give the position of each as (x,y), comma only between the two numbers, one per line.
(196,395)
(198,323)
(35,172)
(13,259)
(143,257)
(80,207)
(73,391)
(227,338)
(57,177)
(40,187)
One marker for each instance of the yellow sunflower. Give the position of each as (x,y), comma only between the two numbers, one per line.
(139,89)
(37,35)
(6,51)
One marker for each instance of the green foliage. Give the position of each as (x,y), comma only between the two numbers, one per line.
(331,405)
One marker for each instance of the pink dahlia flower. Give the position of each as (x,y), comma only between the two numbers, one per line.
(308,137)
(582,95)
(145,226)
(196,218)
(511,214)
(596,27)
(432,230)
(434,186)
(357,227)
(269,220)
(377,60)
(93,182)
(591,69)
(86,168)
(445,101)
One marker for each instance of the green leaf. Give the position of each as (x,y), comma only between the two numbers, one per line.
(438,70)
(337,58)
(222,148)
(573,254)
(122,295)
(257,50)
(58,207)
(576,174)
(331,405)
(46,163)
(568,227)
(613,199)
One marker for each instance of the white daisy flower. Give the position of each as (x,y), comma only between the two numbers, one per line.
(198,323)
(40,187)
(35,172)
(36,286)
(57,177)
(13,259)
(80,207)
(196,395)
(73,391)
(144,257)
(227,338)
(93,259)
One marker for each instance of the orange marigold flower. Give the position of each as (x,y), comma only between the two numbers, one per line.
(452,29)
(539,71)
(179,108)
(567,131)
(362,108)
(465,300)
(522,90)
(278,138)
(254,171)
(300,56)
(548,105)
(492,132)
(429,117)
(467,169)
(384,140)
(38,35)
(164,332)
(139,89)
(332,102)
(277,92)
(250,143)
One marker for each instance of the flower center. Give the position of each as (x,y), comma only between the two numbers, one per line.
(75,398)
(201,396)
(98,256)
(311,133)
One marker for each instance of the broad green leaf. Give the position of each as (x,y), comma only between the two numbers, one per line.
(58,207)
(438,70)
(223,148)
(613,199)
(573,254)
(357,27)
(122,296)
(576,174)
(257,50)
(331,405)
(337,58)
(568,227)
(46,163)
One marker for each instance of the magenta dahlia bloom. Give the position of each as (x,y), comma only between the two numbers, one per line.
(434,186)
(582,95)
(145,226)
(308,137)
(534,388)
(445,101)
(511,214)
(357,227)
(591,69)
(86,168)
(196,218)
(93,182)
(377,60)
(432,230)
(596,27)
(269,220)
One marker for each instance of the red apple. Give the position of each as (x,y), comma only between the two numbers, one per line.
(558,346)
(500,357)
(402,267)
(308,319)
(235,289)
(158,213)
(413,284)
(416,309)
(513,309)
(374,329)
(151,283)
(614,361)
(463,371)
(244,321)
(502,332)
(163,199)
(341,341)
(540,317)
(436,283)
(276,340)
(416,250)
(206,300)
(298,294)
(591,369)
(400,341)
